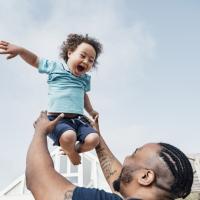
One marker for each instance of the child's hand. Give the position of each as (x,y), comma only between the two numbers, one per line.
(10,49)
(94,114)
(43,126)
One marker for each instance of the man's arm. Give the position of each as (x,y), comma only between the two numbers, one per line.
(88,107)
(41,178)
(14,50)
(110,166)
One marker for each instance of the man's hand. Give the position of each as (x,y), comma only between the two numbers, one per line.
(94,114)
(42,179)
(44,125)
(10,49)
(94,123)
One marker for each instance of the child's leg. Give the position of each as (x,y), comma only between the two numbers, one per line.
(90,142)
(67,142)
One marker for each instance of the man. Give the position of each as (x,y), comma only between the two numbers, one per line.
(156,171)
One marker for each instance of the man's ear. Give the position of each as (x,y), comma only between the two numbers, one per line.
(146,177)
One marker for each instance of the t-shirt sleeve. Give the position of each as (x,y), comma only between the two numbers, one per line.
(46,66)
(87,80)
(81,193)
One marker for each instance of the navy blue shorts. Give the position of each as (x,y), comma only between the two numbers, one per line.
(80,125)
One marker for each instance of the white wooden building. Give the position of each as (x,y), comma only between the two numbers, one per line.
(87,174)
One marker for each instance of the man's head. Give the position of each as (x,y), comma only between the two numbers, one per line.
(159,169)
(80,53)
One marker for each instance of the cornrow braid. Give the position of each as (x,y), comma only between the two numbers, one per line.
(181,169)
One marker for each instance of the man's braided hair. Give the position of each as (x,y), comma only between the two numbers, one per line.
(181,169)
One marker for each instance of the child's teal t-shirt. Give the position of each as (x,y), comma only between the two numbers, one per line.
(66,91)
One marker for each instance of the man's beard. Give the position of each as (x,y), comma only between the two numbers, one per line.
(124,177)
(116,185)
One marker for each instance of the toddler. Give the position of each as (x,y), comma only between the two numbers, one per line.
(67,91)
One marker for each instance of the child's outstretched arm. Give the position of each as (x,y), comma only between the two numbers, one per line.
(88,107)
(14,50)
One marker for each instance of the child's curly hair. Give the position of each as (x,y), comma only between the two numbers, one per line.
(72,42)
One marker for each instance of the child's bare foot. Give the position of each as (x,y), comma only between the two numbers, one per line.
(74,157)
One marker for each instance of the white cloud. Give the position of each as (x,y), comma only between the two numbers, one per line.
(24,92)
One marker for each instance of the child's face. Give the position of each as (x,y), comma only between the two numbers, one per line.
(81,59)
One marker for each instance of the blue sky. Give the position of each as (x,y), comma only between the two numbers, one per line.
(147,85)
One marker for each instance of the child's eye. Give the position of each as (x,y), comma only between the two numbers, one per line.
(82,56)
(91,61)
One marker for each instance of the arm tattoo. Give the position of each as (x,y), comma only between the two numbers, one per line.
(106,163)
(68,195)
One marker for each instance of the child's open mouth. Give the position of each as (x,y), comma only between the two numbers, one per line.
(80,68)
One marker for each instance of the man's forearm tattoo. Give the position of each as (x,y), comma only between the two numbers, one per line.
(68,195)
(106,162)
